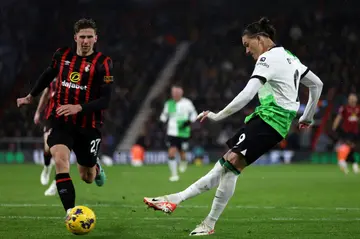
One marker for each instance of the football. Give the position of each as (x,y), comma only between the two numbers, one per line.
(81,220)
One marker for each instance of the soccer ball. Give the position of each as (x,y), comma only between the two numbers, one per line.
(81,220)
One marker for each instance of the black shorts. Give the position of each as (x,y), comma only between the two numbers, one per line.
(181,144)
(47,125)
(348,136)
(84,142)
(254,139)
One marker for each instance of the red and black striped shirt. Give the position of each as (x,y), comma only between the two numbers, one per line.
(80,80)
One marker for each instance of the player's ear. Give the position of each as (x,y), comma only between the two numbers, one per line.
(75,39)
(96,37)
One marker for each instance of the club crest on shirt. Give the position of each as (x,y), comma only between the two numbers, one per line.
(87,66)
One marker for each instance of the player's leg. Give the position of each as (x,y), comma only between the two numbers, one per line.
(183,161)
(51,191)
(60,142)
(343,151)
(351,156)
(254,140)
(86,151)
(173,145)
(45,174)
(245,150)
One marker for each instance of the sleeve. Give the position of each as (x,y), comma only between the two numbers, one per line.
(303,70)
(264,69)
(106,71)
(48,75)
(315,86)
(242,99)
(164,114)
(105,74)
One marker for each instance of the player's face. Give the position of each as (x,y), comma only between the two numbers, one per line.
(85,40)
(254,46)
(176,93)
(352,100)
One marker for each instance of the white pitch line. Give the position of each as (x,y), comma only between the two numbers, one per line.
(166,218)
(9,205)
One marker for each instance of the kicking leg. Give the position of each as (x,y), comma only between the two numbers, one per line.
(168,203)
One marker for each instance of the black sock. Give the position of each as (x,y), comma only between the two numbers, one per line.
(66,190)
(350,158)
(47,158)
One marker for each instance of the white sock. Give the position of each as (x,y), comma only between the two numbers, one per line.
(207,182)
(355,167)
(183,163)
(343,165)
(223,194)
(173,167)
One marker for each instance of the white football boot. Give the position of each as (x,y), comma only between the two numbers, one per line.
(202,230)
(45,174)
(174,178)
(183,166)
(51,191)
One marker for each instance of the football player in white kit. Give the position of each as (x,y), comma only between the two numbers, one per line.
(178,113)
(43,108)
(275,79)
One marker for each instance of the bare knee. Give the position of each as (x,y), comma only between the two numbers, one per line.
(61,156)
(237,160)
(172,152)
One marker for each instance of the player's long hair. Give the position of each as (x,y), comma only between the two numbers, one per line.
(260,28)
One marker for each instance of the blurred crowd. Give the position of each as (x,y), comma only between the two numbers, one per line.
(216,70)
(138,52)
(141,40)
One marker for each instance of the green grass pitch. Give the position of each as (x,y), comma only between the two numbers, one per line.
(279,202)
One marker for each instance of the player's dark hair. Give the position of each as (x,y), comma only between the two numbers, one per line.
(84,24)
(260,28)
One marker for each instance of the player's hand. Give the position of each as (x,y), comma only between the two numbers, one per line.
(24,101)
(68,109)
(37,118)
(206,114)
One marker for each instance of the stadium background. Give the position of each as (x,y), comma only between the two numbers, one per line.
(155,43)
(158,43)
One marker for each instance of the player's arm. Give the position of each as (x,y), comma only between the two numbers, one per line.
(43,82)
(241,100)
(315,85)
(47,76)
(338,119)
(105,89)
(264,70)
(43,101)
(164,114)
